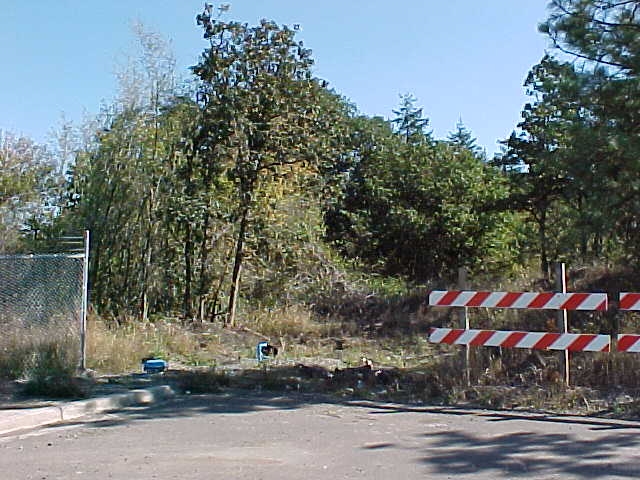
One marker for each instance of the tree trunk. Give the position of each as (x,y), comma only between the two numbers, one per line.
(189,243)
(544,260)
(188,259)
(216,296)
(237,267)
(204,254)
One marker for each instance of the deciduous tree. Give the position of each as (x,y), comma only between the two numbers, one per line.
(263,105)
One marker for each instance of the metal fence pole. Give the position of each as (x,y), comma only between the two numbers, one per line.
(85,303)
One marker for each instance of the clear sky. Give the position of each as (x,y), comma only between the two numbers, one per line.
(460,58)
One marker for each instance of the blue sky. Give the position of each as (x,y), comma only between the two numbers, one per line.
(461,58)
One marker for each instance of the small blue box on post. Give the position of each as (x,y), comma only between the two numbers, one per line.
(260,349)
(154,365)
(264,351)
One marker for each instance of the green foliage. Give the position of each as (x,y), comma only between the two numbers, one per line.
(154,194)
(244,189)
(533,160)
(419,210)
(265,112)
(597,31)
(463,139)
(574,163)
(179,194)
(198,198)
(28,184)
(411,126)
(14,359)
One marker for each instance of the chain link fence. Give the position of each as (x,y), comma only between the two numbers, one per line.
(42,303)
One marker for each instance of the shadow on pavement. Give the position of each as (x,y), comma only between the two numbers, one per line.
(230,402)
(531,454)
(503,416)
(241,401)
(451,452)
(526,453)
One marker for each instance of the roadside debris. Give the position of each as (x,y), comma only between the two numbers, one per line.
(153,365)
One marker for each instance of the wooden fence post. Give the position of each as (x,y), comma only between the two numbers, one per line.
(463,313)
(563,323)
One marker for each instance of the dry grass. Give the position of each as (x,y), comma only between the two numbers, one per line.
(293,321)
(16,352)
(120,347)
(392,334)
(117,347)
(27,349)
(44,358)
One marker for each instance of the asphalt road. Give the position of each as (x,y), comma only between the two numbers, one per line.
(261,436)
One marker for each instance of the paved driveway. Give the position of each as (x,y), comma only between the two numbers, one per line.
(259,436)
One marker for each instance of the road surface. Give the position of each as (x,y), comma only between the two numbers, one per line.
(241,435)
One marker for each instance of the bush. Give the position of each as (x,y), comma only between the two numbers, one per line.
(51,373)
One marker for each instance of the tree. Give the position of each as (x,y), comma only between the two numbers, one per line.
(27,175)
(419,210)
(603,32)
(147,76)
(463,139)
(371,142)
(117,182)
(409,122)
(261,106)
(534,157)
(601,143)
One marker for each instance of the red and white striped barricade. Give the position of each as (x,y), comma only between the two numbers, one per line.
(629,301)
(522,300)
(629,342)
(574,342)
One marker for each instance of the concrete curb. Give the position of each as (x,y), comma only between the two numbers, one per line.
(15,420)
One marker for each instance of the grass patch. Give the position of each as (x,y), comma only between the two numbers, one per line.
(117,347)
(44,358)
(14,359)
(51,372)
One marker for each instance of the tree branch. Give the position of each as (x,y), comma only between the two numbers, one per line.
(601,60)
(267,166)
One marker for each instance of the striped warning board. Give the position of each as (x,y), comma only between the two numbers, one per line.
(629,301)
(628,343)
(574,342)
(523,300)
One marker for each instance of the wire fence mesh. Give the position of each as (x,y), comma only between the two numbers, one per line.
(41,301)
